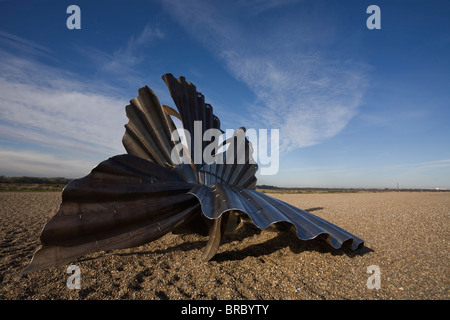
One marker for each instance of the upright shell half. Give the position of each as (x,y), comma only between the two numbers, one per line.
(134,198)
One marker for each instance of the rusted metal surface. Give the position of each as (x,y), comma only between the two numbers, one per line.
(132,199)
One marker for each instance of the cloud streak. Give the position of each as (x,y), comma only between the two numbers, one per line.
(130,55)
(70,119)
(408,175)
(51,108)
(29,163)
(124,65)
(299,87)
(62,111)
(44,107)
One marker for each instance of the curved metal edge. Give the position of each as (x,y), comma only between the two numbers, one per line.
(53,255)
(216,234)
(307,225)
(125,201)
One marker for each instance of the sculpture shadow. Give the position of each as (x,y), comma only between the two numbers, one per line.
(285,238)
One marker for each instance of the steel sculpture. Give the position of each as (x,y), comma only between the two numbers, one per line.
(132,199)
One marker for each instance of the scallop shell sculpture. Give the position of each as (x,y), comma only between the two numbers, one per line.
(132,199)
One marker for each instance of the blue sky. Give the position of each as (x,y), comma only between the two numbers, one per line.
(355,107)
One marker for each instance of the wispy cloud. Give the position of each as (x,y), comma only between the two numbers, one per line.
(60,118)
(28,163)
(407,167)
(428,174)
(50,107)
(302,89)
(259,6)
(19,44)
(132,53)
(425,165)
(124,64)
(56,109)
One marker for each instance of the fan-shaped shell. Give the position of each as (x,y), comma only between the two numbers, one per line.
(129,200)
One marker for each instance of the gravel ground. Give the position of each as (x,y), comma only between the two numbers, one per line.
(406,235)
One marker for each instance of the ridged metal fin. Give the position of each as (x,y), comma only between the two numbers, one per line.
(236,167)
(124,202)
(264,211)
(215,237)
(148,131)
(171,112)
(192,107)
(54,255)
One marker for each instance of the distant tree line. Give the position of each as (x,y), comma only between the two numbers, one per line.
(34,180)
(264,186)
